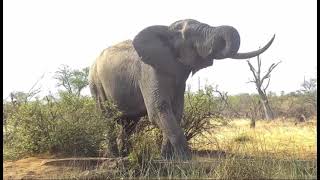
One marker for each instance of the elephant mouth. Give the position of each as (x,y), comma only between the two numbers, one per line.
(202,64)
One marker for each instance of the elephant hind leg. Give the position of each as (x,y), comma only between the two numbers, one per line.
(128,128)
(96,93)
(100,97)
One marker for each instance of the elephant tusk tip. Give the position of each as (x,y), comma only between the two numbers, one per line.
(274,36)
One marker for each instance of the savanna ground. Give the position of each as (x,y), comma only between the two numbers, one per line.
(274,149)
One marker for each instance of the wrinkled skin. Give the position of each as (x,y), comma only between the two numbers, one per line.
(148,76)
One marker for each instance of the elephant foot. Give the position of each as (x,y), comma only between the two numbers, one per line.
(112,149)
(109,154)
(166,155)
(124,153)
(125,148)
(180,151)
(167,151)
(183,155)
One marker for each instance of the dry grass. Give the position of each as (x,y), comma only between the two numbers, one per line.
(278,138)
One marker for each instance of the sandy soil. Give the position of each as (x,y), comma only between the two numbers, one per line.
(32,168)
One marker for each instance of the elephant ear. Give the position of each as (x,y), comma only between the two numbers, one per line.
(155,47)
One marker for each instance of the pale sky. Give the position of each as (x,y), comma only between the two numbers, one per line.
(40,35)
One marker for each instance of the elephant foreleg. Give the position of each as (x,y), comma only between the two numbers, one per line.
(174,136)
(166,148)
(177,106)
(158,95)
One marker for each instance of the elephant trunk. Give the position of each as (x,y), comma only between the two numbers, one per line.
(217,42)
(224,42)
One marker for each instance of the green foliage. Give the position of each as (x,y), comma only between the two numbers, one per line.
(200,109)
(72,80)
(69,125)
(146,147)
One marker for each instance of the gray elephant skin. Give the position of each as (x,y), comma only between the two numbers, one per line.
(147,75)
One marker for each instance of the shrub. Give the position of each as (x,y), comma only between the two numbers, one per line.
(146,147)
(70,125)
(200,110)
(293,105)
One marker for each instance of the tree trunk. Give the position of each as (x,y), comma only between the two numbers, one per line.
(266,107)
(253,123)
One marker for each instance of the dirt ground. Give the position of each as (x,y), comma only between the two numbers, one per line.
(23,168)
(33,168)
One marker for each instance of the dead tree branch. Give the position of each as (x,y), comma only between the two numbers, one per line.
(259,85)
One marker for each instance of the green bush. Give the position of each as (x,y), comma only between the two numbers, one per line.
(69,125)
(201,109)
(146,147)
(72,125)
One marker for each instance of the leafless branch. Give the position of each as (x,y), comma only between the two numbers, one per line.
(252,69)
(31,89)
(259,67)
(267,75)
(264,89)
(251,81)
(224,98)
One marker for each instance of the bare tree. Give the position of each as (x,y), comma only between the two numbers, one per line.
(259,80)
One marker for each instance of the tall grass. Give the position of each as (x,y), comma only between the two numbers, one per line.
(230,167)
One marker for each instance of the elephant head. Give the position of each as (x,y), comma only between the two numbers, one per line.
(189,44)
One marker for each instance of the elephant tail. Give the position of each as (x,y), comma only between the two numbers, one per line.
(91,80)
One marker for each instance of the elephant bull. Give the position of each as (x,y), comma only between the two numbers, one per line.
(147,75)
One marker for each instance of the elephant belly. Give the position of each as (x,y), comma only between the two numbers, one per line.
(118,70)
(128,99)
(121,87)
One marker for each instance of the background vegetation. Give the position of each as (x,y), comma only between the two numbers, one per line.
(68,124)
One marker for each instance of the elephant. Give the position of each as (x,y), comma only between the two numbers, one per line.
(147,75)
